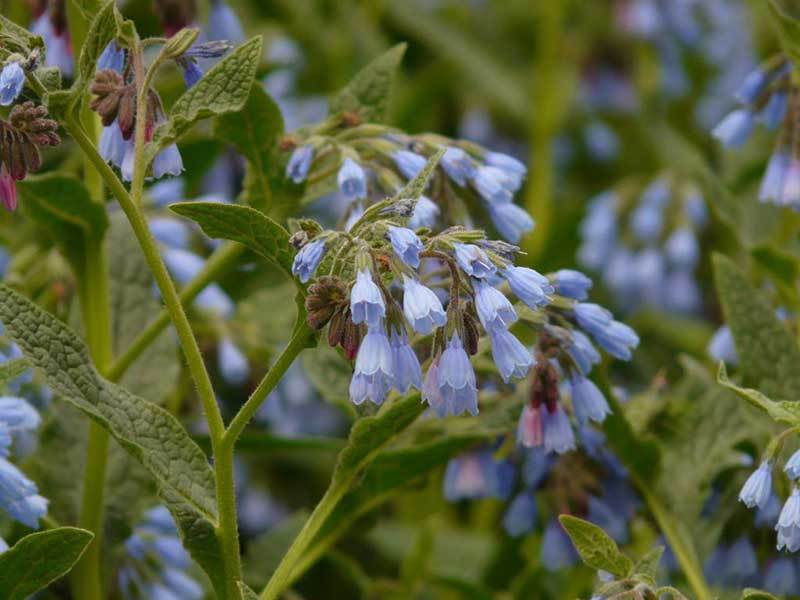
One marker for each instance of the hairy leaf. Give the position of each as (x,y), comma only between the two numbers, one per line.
(223,89)
(255,131)
(40,558)
(369,91)
(145,430)
(784,412)
(14,38)
(242,224)
(416,187)
(648,564)
(596,548)
(62,205)
(769,357)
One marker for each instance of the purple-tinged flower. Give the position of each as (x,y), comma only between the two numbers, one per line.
(530,429)
(583,352)
(168,162)
(694,208)
(307,260)
(772,183)
(406,245)
(601,141)
(421,306)
(425,213)
(493,185)
(300,163)
(112,57)
(682,248)
(792,466)
(557,436)
(759,79)
(19,496)
(473,261)
(788,526)
(409,163)
(528,285)
(515,171)
(572,284)
(510,220)
(494,309)
(223,24)
(781,577)
(646,221)
(618,340)
(12,80)
(735,128)
(790,193)
(17,416)
(741,563)
(721,346)
(767,516)
(588,401)
(232,364)
(113,147)
(456,381)
(520,517)
(592,317)
(557,551)
(180,585)
(373,376)
(366,300)
(192,73)
(477,475)
(774,112)
(352,180)
(512,358)
(458,165)
(407,372)
(56,41)
(8,189)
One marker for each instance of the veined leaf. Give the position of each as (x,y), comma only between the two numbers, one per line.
(11,369)
(596,548)
(769,357)
(224,89)
(40,558)
(241,224)
(648,564)
(368,93)
(783,412)
(145,430)
(254,131)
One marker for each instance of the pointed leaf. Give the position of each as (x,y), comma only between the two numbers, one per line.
(595,546)
(784,412)
(40,558)
(369,91)
(145,430)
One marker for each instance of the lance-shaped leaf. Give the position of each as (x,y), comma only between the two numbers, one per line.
(145,430)
(241,224)
(368,93)
(224,89)
(40,558)
(595,546)
(254,131)
(768,353)
(416,187)
(784,411)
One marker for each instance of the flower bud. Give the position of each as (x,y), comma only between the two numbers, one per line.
(108,87)
(326,296)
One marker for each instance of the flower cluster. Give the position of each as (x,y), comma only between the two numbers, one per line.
(156,562)
(646,244)
(372,161)
(767,95)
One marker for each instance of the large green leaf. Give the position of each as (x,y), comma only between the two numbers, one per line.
(368,93)
(769,357)
(255,131)
(62,205)
(223,89)
(241,224)
(145,430)
(40,558)
(786,411)
(595,546)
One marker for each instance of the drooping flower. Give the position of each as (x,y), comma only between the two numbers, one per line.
(223,24)
(513,168)
(425,213)
(530,432)
(520,517)
(583,352)
(406,245)
(735,128)
(721,346)
(352,180)
(52,27)
(510,220)
(407,372)
(366,300)
(758,487)
(458,165)
(473,261)
(421,306)
(788,526)
(557,436)
(682,248)
(112,57)
(792,466)
(512,358)
(572,284)
(614,337)
(374,373)
(300,163)
(493,185)
(307,260)
(528,285)
(494,309)
(557,550)
(12,80)
(588,401)
(456,381)
(409,163)
(476,475)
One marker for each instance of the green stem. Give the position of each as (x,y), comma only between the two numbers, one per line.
(299,341)
(218,263)
(684,553)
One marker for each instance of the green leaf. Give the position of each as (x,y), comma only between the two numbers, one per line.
(753,594)
(255,131)
(369,91)
(416,187)
(596,548)
(785,411)
(242,224)
(648,564)
(11,369)
(788,27)
(145,430)
(223,89)
(50,77)
(63,206)
(768,354)
(40,558)
(781,265)
(14,38)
